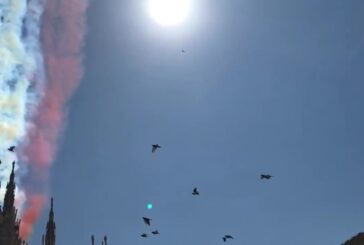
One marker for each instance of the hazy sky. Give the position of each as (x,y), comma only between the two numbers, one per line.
(264,87)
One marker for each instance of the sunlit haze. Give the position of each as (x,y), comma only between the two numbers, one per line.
(169,12)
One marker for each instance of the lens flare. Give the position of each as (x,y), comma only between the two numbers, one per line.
(149,206)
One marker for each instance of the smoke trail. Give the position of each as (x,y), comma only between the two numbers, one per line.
(63,30)
(62,38)
(20,65)
(40,67)
(31,214)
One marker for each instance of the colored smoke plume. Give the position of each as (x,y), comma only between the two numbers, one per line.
(63,29)
(40,67)
(21,63)
(31,214)
(62,33)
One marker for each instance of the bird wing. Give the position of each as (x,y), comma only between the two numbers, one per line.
(146,220)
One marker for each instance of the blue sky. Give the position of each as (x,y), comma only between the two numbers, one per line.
(264,87)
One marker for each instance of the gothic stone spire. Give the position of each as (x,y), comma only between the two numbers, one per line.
(50,237)
(10,193)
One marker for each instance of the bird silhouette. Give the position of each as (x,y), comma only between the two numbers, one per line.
(147,220)
(265,176)
(227,237)
(156,232)
(11,148)
(144,235)
(195,192)
(183,51)
(155,147)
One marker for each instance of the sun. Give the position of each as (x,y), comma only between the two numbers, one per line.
(169,12)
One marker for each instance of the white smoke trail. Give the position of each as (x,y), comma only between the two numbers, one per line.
(21,78)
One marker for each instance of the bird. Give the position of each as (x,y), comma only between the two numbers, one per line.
(144,235)
(0,161)
(265,176)
(183,51)
(11,148)
(156,232)
(147,220)
(227,237)
(195,192)
(155,147)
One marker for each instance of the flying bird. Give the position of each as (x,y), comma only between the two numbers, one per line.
(265,176)
(227,237)
(183,51)
(144,235)
(195,192)
(147,220)
(11,148)
(156,232)
(155,147)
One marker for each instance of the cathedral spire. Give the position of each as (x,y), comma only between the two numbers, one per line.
(9,224)
(50,237)
(92,240)
(10,193)
(105,240)
(51,213)
(12,175)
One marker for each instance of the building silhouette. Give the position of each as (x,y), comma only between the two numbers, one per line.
(9,224)
(50,236)
(356,240)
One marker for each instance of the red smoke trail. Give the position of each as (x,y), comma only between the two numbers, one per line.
(32,213)
(63,30)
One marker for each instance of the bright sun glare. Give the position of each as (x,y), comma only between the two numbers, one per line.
(169,12)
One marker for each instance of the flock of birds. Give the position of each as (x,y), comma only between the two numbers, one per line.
(147,222)
(195,192)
